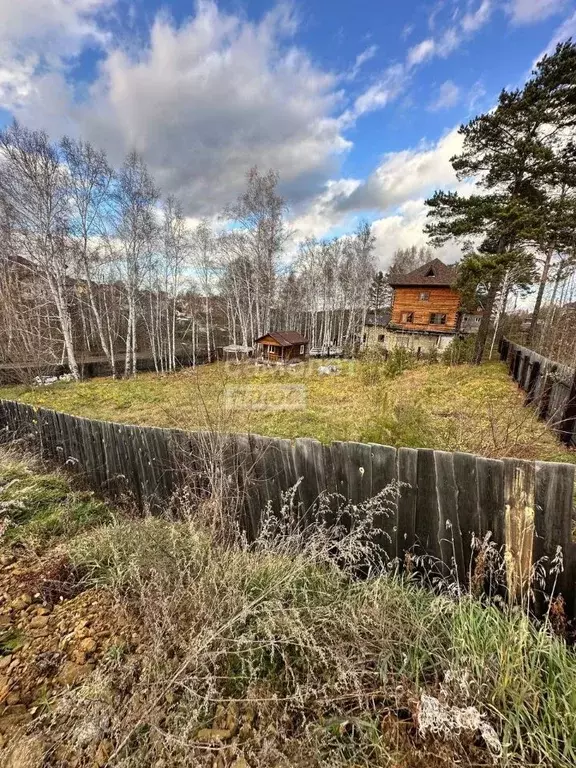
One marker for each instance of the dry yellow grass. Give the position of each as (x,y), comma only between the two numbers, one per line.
(467,408)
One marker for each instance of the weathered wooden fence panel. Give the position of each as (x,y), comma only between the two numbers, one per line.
(549,385)
(442,500)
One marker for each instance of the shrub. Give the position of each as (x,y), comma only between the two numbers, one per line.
(403,424)
(371,365)
(399,360)
(460,350)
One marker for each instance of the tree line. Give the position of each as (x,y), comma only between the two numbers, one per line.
(95,262)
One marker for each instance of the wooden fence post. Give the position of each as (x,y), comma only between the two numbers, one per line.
(534,373)
(546,392)
(568,423)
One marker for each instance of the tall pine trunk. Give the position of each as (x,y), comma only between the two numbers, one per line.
(482,336)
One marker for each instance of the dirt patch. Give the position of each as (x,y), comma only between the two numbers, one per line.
(53,635)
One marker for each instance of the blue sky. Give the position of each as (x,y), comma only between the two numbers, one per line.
(356,104)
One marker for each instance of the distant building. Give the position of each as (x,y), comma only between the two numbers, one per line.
(425,312)
(375,328)
(470,323)
(281,347)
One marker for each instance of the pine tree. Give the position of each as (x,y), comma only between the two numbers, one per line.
(377,290)
(512,153)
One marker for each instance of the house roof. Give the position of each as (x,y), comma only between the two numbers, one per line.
(285,338)
(435,272)
(379,320)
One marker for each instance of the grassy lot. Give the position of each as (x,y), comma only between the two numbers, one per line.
(468,408)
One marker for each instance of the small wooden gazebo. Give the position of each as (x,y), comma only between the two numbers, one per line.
(282,347)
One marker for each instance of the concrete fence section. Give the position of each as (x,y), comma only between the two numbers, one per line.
(442,499)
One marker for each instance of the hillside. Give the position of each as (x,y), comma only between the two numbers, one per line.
(150,643)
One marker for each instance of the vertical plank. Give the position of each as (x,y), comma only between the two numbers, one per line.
(490,486)
(358,462)
(428,533)
(450,534)
(469,519)
(407,468)
(307,453)
(519,499)
(340,467)
(384,472)
(554,495)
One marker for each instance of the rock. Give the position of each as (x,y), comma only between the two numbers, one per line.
(21,602)
(88,645)
(10,722)
(16,709)
(4,687)
(103,752)
(87,733)
(38,622)
(27,752)
(72,673)
(5,621)
(5,661)
(13,698)
(43,632)
(214,734)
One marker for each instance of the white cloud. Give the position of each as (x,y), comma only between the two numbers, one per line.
(397,188)
(474,20)
(361,59)
(421,52)
(563,32)
(36,34)
(207,100)
(529,11)
(404,228)
(476,96)
(379,94)
(322,214)
(452,36)
(408,174)
(448,96)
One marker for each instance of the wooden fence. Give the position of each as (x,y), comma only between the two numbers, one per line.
(443,499)
(550,386)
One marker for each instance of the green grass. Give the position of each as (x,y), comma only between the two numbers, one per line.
(39,506)
(468,408)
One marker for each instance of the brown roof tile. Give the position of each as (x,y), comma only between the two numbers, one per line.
(435,272)
(285,338)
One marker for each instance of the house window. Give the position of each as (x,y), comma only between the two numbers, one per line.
(407,317)
(301,349)
(425,296)
(380,337)
(437,319)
